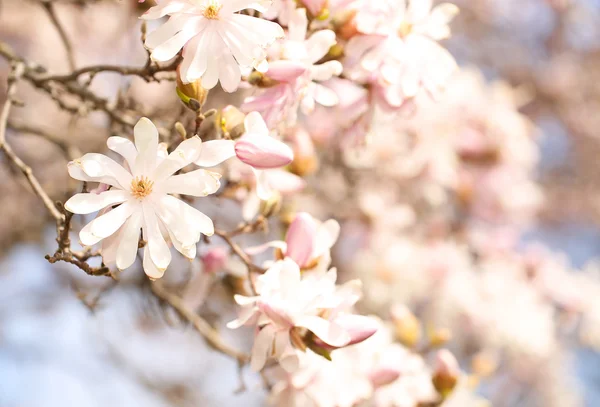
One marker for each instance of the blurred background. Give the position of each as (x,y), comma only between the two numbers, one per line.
(67,339)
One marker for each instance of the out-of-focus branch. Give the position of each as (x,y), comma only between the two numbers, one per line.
(71,152)
(211,336)
(49,8)
(17,72)
(148,73)
(65,89)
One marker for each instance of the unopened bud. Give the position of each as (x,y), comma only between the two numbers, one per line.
(263,152)
(214,260)
(446,372)
(407,326)
(484,364)
(193,95)
(439,337)
(305,158)
(231,121)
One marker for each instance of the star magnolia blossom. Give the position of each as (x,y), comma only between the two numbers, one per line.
(308,242)
(256,148)
(216,40)
(298,74)
(142,193)
(396,49)
(287,304)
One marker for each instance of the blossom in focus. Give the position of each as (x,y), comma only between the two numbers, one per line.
(217,41)
(396,49)
(143,195)
(298,74)
(287,305)
(307,242)
(255,148)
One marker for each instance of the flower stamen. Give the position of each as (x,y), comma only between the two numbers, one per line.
(141,187)
(211,11)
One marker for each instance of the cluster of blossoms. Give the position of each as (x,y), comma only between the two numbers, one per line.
(419,156)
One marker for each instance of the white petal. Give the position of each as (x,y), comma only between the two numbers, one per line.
(327,235)
(169,210)
(319,43)
(418,10)
(214,152)
(325,71)
(246,314)
(123,147)
(159,250)
(263,343)
(297,25)
(285,352)
(146,141)
(325,96)
(128,241)
(329,332)
(150,268)
(229,73)
(195,183)
(186,153)
(167,50)
(105,225)
(263,188)
(99,166)
(191,216)
(88,203)
(254,123)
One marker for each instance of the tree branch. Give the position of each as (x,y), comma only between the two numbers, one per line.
(211,336)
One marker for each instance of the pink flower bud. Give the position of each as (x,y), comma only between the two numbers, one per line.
(383,376)
(285,71)
(263,152)
(358,327)
(214,260)
(300,239)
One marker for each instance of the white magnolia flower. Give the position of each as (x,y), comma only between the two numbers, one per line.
(298,74)
(288,304)
(397,50)
(140,198)
(217,41)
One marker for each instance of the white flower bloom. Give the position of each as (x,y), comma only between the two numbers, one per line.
(288,304)
(142,193)
(298,73)
(397,49)
(217,41)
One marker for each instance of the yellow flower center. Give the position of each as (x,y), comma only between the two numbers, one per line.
(141,187)
(405,29)
(211,11)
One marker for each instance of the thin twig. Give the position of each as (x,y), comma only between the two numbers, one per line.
(49,8)
(211,336)
(16,74)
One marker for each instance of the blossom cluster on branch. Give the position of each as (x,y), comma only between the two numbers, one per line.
(348,109)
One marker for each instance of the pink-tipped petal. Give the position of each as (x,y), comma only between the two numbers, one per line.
(300,238)
(263,152)
(285,71)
